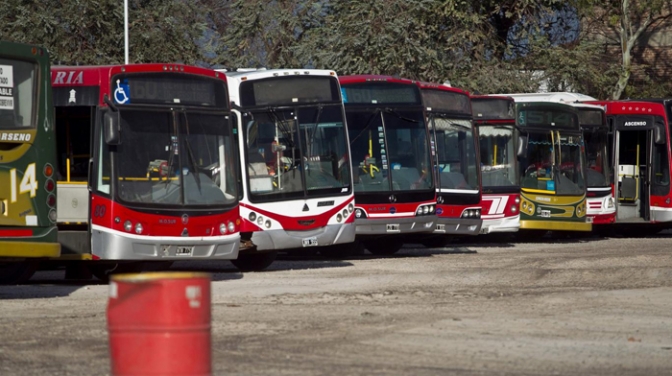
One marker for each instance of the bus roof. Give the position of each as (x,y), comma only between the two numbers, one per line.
(365,78)
(629,107)
(23,50)
(443,87)
(97,75)
(566,97)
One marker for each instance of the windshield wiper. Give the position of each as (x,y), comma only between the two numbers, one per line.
(395,113)
(190,155)
(368,124)
(284,127)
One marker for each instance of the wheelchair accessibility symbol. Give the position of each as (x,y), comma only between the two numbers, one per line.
(121,93)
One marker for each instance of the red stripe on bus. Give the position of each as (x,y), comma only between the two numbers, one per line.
(16,233)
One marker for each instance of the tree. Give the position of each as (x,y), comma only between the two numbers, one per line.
(86,32)
(624,23)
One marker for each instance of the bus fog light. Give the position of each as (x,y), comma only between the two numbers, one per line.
(351,208)
(252,216)
(128,226)
(260,220)
(339,217)
(232,227)
(138,228)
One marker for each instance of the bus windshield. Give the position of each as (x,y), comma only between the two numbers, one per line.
(498,156)
(456,154)
(389,150)
(17,94)
(296,151)
(175,158)
(553,163)
(598,171)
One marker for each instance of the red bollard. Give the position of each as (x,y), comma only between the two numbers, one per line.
(159,324)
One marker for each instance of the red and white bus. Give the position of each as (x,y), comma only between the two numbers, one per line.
(148,166)
(454,148)
(296,179)
(394,185)
(640,157)
(600,207)
(500,175)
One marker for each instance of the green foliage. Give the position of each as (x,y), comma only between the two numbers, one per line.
(486,46)
(88,32)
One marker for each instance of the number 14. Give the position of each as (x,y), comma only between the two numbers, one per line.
(28,183)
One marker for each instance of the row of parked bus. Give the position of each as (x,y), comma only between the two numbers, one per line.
(109,169)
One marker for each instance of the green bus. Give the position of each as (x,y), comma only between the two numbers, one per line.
(27,162)
(552,164)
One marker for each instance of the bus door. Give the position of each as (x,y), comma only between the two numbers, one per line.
(74,125)
(633,154)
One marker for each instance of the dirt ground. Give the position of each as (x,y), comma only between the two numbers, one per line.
(559,307)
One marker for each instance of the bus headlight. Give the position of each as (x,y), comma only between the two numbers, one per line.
(138,228)
(514,208)
(128,226)
(222,228)
(517,200)
(351,207)
(267,224)
(425,210)
(610,202)
(252,216)
(232,227)
(53,215)
(345,213)
(339,217)
(260,220)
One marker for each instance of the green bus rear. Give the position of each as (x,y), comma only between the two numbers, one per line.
(552,160)
(27,159)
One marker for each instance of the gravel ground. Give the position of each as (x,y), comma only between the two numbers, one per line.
(555,307)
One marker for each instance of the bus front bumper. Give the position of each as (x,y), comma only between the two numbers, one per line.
(270,240)
(458,226)
(392,226)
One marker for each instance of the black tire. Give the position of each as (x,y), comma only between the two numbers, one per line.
(341,251)
(383,247)
(254,262)
(436,242)
(104,270)
(14,273)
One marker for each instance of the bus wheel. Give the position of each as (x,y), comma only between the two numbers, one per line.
(341,251)
(383,247)
(435,242)
(13,273)
(254,262)
(104,270)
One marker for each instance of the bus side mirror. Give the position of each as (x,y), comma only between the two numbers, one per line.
(111,123)
(522,146)
(659,134)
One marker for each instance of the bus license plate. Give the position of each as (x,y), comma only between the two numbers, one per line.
(392,227)
(309,242)
(184,251)
(546,213)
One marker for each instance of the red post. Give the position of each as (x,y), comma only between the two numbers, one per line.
(159,324)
